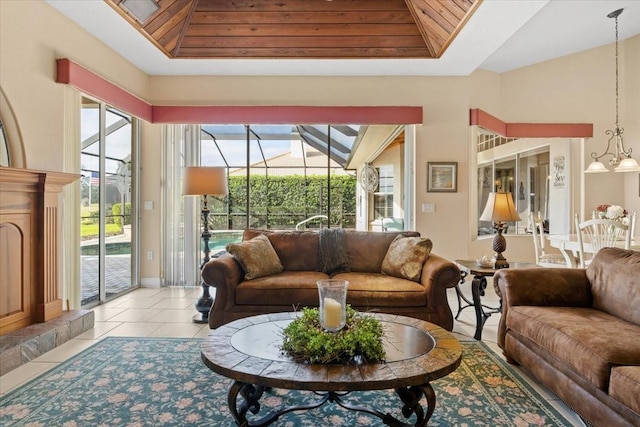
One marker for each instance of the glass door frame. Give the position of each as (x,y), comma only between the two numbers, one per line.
(135,205)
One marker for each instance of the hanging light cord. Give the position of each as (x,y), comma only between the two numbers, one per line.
(616,18)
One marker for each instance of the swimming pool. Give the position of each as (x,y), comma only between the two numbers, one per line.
(218,241)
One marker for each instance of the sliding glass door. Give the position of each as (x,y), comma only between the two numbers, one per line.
(108,203)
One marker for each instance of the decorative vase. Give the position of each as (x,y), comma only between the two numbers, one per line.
(333,304)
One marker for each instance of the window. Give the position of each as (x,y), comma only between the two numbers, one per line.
(383,197)
(516,166)
(4,146)
(280,176)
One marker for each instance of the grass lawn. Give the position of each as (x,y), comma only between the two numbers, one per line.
(91,230)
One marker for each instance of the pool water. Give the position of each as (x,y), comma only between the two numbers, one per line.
(218,241)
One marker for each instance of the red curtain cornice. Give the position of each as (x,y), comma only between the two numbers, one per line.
(86,81)
(483,119)
(68,72)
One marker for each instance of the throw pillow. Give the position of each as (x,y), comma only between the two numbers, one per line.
(256,256)
(405,257)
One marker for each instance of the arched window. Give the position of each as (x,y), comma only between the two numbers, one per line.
(11,150)
(4,146)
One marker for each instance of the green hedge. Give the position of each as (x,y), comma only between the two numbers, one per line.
(283,201)
(116,211)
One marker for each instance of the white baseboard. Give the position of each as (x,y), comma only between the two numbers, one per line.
(150,282)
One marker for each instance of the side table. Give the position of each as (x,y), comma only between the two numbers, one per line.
(478,286)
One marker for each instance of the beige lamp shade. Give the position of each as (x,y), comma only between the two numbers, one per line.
(204,180)
(500,208)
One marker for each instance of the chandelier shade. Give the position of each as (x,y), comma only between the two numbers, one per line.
(596,167)
(628,165)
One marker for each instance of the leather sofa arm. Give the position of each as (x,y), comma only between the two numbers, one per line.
(559,287)
(438,274)
(438,271)
(223,273)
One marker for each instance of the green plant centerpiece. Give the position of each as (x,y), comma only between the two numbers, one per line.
(360,341)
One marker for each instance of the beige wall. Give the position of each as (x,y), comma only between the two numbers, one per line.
(150,190)
(578,88)
(581,88)
(630,120)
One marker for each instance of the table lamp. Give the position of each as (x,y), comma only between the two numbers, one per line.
(204,181)
(500,209)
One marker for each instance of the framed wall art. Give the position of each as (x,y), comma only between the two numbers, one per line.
(442,177)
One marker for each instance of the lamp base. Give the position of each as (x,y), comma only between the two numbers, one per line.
(500,245)
(200,318)
(501,262)
(203,305)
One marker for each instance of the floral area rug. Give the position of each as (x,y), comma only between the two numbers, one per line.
(163,382)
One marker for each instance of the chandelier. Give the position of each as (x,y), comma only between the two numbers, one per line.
(620,160)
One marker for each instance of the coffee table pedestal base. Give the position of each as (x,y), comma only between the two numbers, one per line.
(251,395)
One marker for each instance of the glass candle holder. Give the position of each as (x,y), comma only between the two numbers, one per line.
(333,304)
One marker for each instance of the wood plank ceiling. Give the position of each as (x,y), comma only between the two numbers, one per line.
(336,29)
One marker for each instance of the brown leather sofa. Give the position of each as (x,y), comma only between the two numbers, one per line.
(578,332)
(295,287)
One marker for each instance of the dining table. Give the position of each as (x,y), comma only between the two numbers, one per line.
(570,247)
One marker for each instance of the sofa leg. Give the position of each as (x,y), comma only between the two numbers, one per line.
(510,360)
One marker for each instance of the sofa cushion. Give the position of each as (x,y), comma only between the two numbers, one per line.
(297,250)
(256,256)
(588,340)
(295,288)
(405,257)
(377,290)
(367,249)
(625,386)
(614,274)
(299,289)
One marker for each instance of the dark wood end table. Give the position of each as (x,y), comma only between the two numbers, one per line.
(478,286)
(248,351)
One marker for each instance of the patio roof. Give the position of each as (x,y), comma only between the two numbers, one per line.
(267,142)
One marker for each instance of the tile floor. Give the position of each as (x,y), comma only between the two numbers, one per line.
(168,312)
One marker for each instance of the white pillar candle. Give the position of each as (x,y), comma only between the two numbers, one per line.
(332,313)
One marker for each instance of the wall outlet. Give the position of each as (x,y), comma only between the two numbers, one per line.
(150,255)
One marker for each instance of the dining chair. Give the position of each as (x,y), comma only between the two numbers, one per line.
(632,223)
(600,233)
(539,244)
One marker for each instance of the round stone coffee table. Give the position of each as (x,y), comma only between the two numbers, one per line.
(249,352)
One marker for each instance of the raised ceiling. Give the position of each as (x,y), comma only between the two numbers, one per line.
(502,35)
(294,29)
